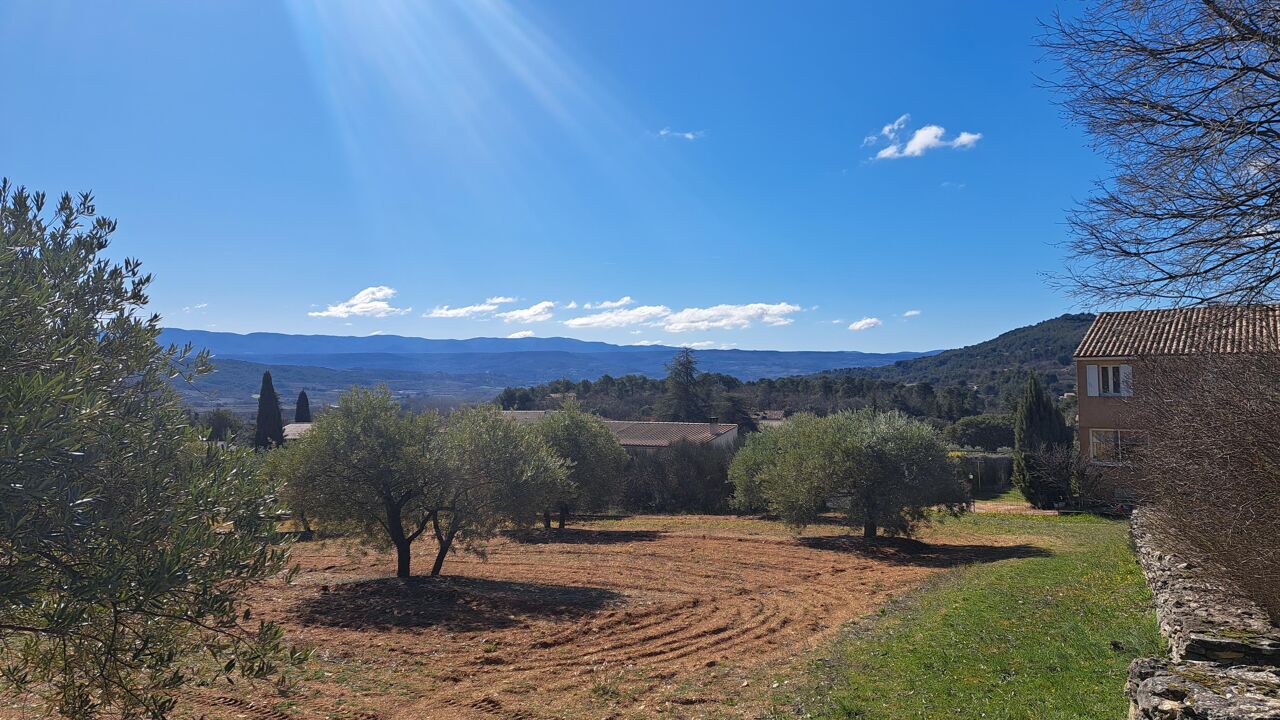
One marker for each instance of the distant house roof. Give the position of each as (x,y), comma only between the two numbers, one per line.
(293,431)
(1183,331)
(643,433)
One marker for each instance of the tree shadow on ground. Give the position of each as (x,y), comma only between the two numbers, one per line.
(583,536)
(454,603)
(907,551)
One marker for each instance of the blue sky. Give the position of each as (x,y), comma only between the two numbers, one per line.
(839,175)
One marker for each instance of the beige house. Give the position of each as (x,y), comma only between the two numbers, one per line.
(1109,362)
(648,435)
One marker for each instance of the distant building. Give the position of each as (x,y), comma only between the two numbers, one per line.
(293,431)
(769,418)
(648,435)
(1109,361)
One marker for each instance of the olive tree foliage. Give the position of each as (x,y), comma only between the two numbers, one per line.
(595,460)
(124,539)
(884,470)
(1206,466)
(370,466)
(501,473)
(988,432)
(1182,97)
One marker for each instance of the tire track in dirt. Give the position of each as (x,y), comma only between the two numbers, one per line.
(591,627)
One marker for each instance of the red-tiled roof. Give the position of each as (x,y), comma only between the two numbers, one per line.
(641,433)
(1183,331)
(295,430)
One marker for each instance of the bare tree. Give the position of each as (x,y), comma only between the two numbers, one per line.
(1183,98)
(1209,471)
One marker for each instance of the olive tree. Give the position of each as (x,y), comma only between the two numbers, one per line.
(125,540)
(369,465)
(499,473)
(595,459)
(884,470)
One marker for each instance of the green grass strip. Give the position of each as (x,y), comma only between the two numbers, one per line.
(1038,637)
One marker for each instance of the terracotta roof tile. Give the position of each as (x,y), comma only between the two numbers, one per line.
(1183,331)
(295,430)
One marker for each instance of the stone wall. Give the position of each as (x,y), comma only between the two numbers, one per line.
(1224,652)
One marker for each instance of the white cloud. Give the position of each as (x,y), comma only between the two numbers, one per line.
(467,311)
(924,139)
(521,334)
(538,312)
(892,129)
(716,317)
(643,314)
(911,313)
(369,302)
(647,343)
(610,304)
(689,135)
(201,306)
(708,344)
(573,305)
(723,317)
(866,323)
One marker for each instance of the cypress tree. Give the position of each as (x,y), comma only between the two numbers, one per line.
(302,412)
(1037,426)
(270,431)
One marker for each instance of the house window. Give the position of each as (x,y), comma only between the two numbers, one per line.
(1110,380)
(1115,447)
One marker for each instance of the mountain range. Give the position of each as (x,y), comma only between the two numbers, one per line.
(458,370)
(448,372)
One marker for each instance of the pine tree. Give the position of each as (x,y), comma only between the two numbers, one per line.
(1038,427)
(683,401)
(302,412)
(270,431)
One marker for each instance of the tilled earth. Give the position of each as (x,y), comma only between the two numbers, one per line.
(589,622)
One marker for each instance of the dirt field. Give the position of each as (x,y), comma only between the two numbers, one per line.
(647,617)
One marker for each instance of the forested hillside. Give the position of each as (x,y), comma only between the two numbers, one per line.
(996,366)
(981,378)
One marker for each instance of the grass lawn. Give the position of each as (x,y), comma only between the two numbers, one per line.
(1012,495)
(1039,637)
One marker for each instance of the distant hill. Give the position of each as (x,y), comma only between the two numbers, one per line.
(280,344)
(996,364)
(464,370)
(234,385)
(513,361)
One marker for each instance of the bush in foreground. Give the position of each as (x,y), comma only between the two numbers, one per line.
(124,540)
(1210,469)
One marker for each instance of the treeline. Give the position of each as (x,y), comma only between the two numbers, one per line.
(635,397)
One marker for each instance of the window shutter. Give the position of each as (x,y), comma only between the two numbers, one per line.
(1091,379)
(1126,380)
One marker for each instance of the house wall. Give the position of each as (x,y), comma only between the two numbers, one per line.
(1098,411)
(727,439)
